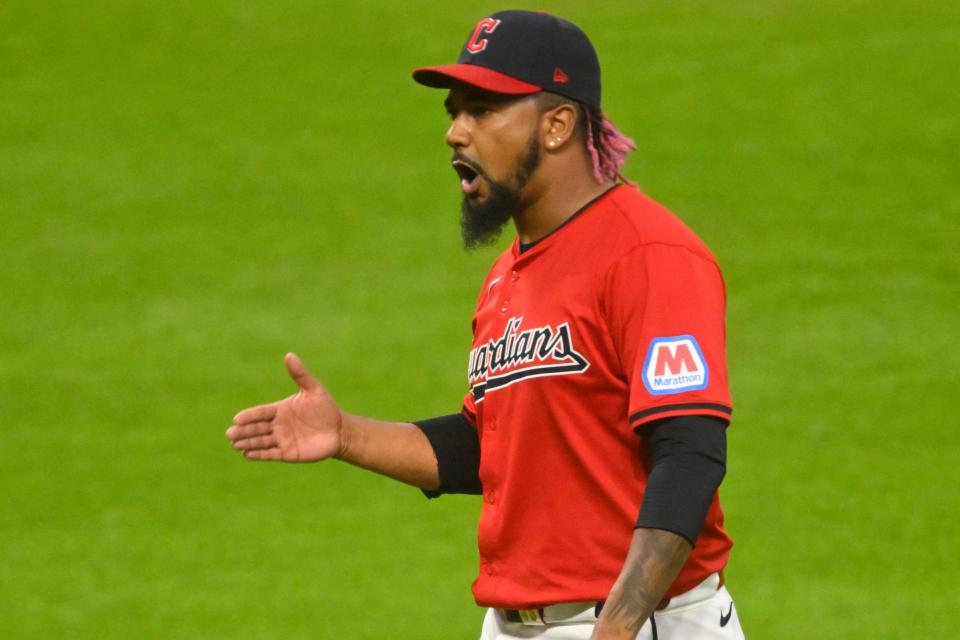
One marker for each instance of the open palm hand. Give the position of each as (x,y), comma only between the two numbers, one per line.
(304,427)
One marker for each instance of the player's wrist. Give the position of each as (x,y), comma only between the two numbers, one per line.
(345,436)
(606,632)
(626,625)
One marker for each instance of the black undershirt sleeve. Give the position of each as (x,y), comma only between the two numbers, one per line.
(689,462)
(457,447)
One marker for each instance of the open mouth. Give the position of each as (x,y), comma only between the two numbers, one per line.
(469,175)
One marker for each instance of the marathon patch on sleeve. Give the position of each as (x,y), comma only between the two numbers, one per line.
(673,365)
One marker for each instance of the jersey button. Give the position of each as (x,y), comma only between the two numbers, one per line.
(492,424)
(503,307)
(491,496)
(514,276)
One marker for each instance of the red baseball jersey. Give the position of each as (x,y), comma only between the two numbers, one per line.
(614,320)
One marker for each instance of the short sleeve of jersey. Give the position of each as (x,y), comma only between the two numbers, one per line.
(665,307)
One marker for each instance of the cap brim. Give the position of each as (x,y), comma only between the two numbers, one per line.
(443,77)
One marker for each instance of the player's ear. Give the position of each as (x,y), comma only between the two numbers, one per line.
(558,125)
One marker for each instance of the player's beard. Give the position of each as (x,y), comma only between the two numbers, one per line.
(482,222)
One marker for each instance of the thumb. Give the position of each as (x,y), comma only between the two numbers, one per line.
(299,373)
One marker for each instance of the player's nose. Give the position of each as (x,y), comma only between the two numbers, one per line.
(458,135)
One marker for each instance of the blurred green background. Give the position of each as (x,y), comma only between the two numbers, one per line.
(190,189)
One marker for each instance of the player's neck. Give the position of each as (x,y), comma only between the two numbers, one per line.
(553,199)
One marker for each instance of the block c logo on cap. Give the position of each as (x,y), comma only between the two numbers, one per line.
(673,365)
(476,44)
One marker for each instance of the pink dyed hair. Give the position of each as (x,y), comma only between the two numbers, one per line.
(609,150)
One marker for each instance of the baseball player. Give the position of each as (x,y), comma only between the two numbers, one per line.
(594,425)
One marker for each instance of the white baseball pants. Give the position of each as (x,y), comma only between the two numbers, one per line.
(706,612)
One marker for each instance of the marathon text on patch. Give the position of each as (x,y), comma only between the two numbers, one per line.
(518,355)
(674,364)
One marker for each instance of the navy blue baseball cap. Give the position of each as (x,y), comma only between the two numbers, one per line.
(523,52)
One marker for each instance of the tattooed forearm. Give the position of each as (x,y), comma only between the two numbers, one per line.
(653,562)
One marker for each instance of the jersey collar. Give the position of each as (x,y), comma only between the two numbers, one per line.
(523,249)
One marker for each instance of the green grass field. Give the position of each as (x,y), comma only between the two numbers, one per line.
(189,190)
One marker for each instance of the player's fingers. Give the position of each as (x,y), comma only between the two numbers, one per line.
(298,371)
(256,443)
(260,413)
(263,454)
(249,430)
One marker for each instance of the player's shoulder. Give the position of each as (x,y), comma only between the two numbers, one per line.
(638,221)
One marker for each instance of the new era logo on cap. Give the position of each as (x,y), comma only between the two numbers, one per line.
(673,365)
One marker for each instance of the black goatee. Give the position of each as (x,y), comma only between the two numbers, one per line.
(482,222)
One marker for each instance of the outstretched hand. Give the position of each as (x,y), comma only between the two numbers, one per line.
(305,427)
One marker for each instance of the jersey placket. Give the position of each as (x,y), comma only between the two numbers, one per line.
(506,309)
(510,280)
